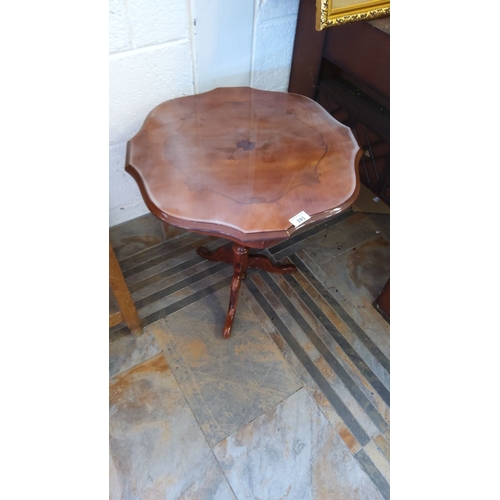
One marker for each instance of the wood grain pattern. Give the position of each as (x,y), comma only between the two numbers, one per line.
(240,162)
(122,295)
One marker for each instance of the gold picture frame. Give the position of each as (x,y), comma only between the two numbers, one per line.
(337,12)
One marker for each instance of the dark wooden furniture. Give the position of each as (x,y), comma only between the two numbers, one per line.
(383,301)
(127,312)
(346,70)
(239,163)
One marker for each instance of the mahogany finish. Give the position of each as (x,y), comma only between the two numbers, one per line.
(255,261)
(240,258)
(239,163)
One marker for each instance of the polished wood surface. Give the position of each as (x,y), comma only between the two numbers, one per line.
(240,162)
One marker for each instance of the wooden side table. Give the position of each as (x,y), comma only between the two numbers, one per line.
(248,165)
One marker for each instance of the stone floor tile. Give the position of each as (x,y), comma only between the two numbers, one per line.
(131,350)
(227,382)
(378,459)
(301,371)
(136,235)
(338,242)
(362,272)
(383,446)
(292,452)
(264,404)
(365,315)
(363,347)
(382,224)
(157,450)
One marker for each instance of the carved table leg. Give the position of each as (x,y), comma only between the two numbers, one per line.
(240,263)
(262,262)
(222,254)
(257,261)
(240,259)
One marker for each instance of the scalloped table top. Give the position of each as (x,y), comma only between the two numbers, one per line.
(240,163)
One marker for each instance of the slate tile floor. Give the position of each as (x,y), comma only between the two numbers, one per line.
(295,405)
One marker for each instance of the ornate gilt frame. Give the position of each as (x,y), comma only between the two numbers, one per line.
(330,13)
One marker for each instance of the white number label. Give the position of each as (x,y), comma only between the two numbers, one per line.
(299,219)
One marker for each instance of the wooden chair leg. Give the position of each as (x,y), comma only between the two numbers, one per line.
(122,295)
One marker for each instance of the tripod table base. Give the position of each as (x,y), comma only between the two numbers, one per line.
(241,259)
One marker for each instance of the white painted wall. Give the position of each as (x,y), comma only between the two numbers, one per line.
(162,49)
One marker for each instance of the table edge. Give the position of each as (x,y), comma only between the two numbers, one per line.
(253,240)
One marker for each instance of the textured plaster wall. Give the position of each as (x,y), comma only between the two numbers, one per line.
(162,49)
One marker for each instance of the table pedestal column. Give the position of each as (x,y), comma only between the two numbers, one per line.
(240,264)
(241,260)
